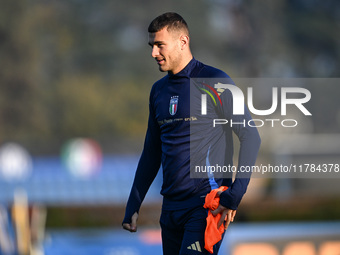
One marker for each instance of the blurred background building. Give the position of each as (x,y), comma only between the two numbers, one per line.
(75,78)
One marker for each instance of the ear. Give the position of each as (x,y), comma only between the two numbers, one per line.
(184,41)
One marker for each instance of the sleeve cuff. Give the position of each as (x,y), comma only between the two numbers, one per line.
(227,200)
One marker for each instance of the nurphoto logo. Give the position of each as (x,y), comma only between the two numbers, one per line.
(304,96)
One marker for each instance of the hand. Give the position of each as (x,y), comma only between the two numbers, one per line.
(132,227)
(227,214)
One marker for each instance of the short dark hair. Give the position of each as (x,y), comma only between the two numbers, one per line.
(171,20)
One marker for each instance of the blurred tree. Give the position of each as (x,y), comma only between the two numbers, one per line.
(83,68)
(20,109)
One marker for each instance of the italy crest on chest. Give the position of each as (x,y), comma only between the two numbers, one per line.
(173,105)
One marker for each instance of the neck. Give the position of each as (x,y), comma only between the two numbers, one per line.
(183,64)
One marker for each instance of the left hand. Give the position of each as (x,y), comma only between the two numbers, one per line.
(226,214)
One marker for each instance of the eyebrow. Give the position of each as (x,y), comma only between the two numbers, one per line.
(156,42)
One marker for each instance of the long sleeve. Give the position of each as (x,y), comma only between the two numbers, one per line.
(249,146)
(147,168)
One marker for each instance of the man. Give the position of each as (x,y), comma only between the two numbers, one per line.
(169,142)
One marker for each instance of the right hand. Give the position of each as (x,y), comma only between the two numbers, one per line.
(132,227)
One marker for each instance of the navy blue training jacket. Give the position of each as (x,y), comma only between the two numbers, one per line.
(176,127)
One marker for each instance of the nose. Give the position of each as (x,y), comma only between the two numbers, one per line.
(155,51)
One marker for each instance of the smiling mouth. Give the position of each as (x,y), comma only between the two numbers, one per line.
(160,61)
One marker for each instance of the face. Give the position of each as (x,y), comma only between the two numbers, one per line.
(166,50)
